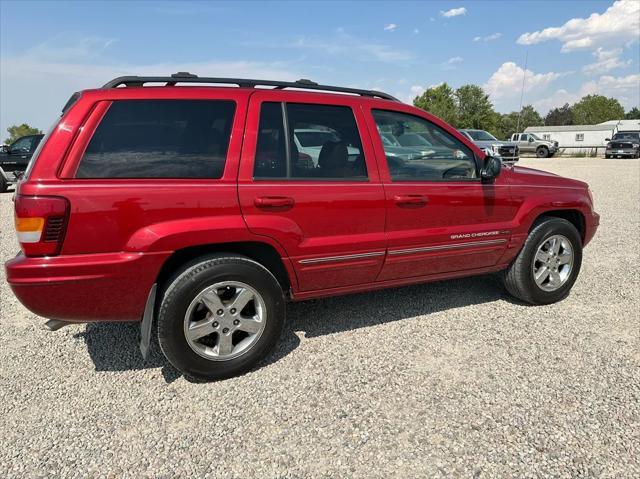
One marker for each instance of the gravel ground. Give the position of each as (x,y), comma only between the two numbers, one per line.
(443,380)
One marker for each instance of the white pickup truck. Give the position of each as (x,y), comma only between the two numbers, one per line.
(531,143)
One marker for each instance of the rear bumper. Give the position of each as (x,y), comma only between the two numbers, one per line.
(93,287)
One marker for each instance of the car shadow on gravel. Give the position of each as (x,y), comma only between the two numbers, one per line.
(114,346)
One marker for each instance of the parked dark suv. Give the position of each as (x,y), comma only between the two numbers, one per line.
(191,207)
(14,161)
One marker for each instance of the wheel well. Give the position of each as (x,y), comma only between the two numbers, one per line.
(262,253)
(572,216)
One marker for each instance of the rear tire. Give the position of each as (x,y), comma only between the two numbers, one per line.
(520,277)
(4,186)
(223,341)
(542,152)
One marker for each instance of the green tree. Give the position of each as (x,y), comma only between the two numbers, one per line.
(508,124)
(559,116)
(475,110)
(592,109)
(16,131)
(633,114)
(439,101)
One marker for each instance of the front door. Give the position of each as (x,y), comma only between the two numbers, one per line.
(308,179)
(440,217)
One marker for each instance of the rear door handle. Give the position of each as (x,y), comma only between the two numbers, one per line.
(411,200)
(274,202)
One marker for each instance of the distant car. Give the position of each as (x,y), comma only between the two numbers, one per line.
(14,159)
(623,144)
(508,151)
(531,143)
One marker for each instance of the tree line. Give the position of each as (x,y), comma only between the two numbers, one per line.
(469,107)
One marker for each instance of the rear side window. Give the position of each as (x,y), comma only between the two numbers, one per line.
(309,142)
(160,139)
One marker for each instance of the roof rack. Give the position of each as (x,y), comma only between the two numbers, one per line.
(186,77)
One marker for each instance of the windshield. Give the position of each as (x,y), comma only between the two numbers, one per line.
(315,138)
(480,135)
(626,136)
(535,137)
(412,139)
(388,139)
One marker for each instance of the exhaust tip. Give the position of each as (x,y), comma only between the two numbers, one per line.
(55,324)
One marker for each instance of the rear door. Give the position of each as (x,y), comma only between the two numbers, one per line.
(323,203)
(524,144)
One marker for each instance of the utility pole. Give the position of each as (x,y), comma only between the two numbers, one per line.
(524,76)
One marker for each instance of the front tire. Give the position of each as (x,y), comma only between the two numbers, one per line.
(542,152)
(548,264)
(219,316)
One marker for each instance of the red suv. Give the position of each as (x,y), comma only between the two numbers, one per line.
(203,209)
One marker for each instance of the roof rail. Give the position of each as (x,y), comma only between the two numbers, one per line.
(186,77)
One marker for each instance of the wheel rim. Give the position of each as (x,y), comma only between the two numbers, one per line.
(225,320)
(553,263)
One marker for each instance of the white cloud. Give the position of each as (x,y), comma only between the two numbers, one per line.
(488,38)
(341,44)
(606,60)
(619,23)
(391,27)
(625,89)
(454,12)
(65,47)
(507,81)
(451,63)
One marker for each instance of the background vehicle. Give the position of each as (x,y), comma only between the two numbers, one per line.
(508,151)
(623,144)
(146,207)
(530,143)
(15,158)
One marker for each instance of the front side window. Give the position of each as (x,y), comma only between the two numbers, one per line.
(319,142)
(524,137)
(441,157)
(160,139)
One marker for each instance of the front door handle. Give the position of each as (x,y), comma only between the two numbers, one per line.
(274,202)
(415,201)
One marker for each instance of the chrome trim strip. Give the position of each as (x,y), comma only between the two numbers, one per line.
(347,257)
(425,249)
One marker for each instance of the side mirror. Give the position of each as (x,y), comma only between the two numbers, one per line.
(530,140)
(607,139)
(491,169)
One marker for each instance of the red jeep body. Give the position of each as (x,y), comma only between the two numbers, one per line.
(117,237)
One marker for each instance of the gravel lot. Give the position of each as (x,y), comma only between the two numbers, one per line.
(451,379)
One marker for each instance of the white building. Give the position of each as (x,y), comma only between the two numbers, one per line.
(583,139)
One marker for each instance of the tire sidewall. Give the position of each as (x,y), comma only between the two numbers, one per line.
(537,237)
(194,280)
(542,152)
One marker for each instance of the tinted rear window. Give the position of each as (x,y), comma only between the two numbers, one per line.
(160,139)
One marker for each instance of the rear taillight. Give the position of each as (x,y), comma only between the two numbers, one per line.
(41,222)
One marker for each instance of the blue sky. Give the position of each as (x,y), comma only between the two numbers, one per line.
(50,49)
